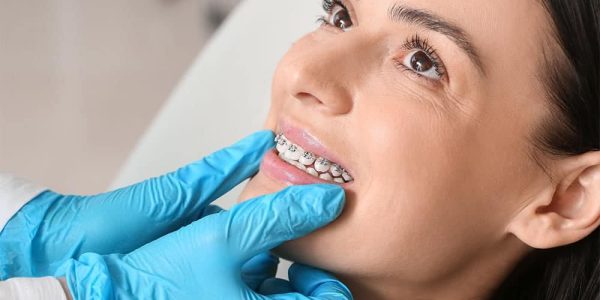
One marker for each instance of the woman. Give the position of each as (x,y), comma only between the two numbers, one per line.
(469,132)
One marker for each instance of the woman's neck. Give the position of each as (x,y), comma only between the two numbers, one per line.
(365,290)
(476,279)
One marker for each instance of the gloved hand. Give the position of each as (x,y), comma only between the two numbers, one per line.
(259,273)
(305,280)
(204,259)
(52,228)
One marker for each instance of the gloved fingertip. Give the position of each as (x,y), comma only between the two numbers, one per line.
(315,282)
(336,197)
(265,222)
(263,263)
(249,149)
(207,179)
(267,257)
(266,132)
(331,197)
(264,138)
(274,286)
(259,268)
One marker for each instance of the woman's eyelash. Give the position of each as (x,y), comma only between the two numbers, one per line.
(416,42)
(328,6)
(322,20)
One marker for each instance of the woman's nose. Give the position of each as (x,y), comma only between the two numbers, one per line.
(322,76)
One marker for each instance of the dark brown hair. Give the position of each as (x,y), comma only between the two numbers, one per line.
(572,81)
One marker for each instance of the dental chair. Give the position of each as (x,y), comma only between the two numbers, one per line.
(225,94)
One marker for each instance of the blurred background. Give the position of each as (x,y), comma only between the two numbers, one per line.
(81,80)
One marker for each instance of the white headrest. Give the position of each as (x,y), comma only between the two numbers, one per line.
(225,94)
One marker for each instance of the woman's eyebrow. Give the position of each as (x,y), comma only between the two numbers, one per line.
(401,13)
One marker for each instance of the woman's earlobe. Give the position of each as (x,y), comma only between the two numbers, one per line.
(565,213)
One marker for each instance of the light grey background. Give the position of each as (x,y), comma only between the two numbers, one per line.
(80,81)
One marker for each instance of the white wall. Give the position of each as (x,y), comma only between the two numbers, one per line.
(81,80)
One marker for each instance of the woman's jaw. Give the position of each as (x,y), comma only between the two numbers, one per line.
(277,172)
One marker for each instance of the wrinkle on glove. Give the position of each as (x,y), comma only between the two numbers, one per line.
(205,259)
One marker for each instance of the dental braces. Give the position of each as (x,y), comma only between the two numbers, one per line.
(308,162)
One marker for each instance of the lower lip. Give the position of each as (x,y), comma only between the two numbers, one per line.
(276,168)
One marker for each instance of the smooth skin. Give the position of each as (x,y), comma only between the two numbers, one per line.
(447,197)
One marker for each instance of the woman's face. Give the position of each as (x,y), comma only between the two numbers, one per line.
(431,111)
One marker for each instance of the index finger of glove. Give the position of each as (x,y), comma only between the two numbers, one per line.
(316,283)
(258,269)
(265,222)
(275,286)
(217,173)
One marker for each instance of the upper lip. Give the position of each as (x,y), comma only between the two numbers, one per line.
(309,142)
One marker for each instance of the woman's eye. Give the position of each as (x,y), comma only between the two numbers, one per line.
(422,64)
(339,17)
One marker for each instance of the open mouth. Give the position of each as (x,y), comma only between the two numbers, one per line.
(310,163)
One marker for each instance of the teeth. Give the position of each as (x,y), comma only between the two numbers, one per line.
(282,145)
(322,165)
(339,180)
(293,152)
(336,170)
(278,137)
(347,176)
(307,158)
(326,176)
(299,166)
(309,163)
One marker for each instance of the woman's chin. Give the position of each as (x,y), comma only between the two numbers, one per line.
(309,251)
(298,250)
(292,251)
(259,185)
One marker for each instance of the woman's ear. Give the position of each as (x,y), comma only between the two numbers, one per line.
(568,210)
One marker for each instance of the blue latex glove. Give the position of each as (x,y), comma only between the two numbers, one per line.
(53,228)
(204,259)
(304,279)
